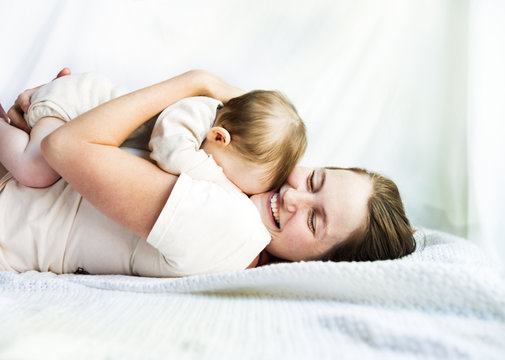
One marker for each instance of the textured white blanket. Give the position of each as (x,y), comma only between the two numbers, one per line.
(444,301)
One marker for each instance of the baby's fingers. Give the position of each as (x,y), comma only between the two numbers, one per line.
(63,72)
(16,116)
(24,99)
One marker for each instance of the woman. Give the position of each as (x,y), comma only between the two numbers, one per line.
(331,214)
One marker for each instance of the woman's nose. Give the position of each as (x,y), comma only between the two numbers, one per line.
(294,199)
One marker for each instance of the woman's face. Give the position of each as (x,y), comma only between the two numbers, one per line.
(314,210)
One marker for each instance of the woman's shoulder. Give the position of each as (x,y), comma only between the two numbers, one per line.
(207,209)
(207,227)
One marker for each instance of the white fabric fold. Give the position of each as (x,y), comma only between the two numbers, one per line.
(444,301)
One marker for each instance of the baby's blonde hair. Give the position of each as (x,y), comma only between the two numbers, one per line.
(265,128)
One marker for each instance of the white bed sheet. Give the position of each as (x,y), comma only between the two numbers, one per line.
(442,302)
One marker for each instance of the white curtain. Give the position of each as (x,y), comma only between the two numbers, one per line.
(486,126)
(413,89)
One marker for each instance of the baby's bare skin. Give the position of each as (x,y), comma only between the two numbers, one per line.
(3,115)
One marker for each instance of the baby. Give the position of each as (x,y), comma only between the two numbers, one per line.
(252,142)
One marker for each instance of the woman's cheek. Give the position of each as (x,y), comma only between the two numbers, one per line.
(295,234)
(260,205)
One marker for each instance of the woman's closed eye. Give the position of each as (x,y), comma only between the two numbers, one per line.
(310,181)
(315,182)
(312,221)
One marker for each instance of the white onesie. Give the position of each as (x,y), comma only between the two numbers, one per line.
(178,135)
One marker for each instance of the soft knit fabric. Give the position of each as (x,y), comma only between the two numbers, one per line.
(178,135)
(442,302)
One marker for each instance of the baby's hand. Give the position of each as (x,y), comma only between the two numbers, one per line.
(22,103)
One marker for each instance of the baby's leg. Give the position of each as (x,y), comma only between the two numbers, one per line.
(20,153)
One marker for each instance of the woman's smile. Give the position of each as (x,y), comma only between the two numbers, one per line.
(274,203)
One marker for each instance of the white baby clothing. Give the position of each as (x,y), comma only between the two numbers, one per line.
(178,135)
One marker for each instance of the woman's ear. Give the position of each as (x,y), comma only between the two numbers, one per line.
(219,135)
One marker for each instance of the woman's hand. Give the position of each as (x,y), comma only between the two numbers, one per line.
(215,87)
(22,103)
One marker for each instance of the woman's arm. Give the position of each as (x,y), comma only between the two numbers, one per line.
(85,152)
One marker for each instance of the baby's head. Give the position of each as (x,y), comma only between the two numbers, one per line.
(266,139)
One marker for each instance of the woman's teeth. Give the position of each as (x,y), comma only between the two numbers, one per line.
(275,210)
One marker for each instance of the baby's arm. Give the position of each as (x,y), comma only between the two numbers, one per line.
(20,152)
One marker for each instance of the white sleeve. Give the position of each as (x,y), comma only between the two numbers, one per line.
(179,132)
(69,96)
(207,227)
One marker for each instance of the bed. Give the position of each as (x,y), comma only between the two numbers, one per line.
(442,302)
(409,89)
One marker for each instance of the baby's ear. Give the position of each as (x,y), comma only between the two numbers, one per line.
(219,135)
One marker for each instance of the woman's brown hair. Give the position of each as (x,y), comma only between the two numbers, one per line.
(387,233)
